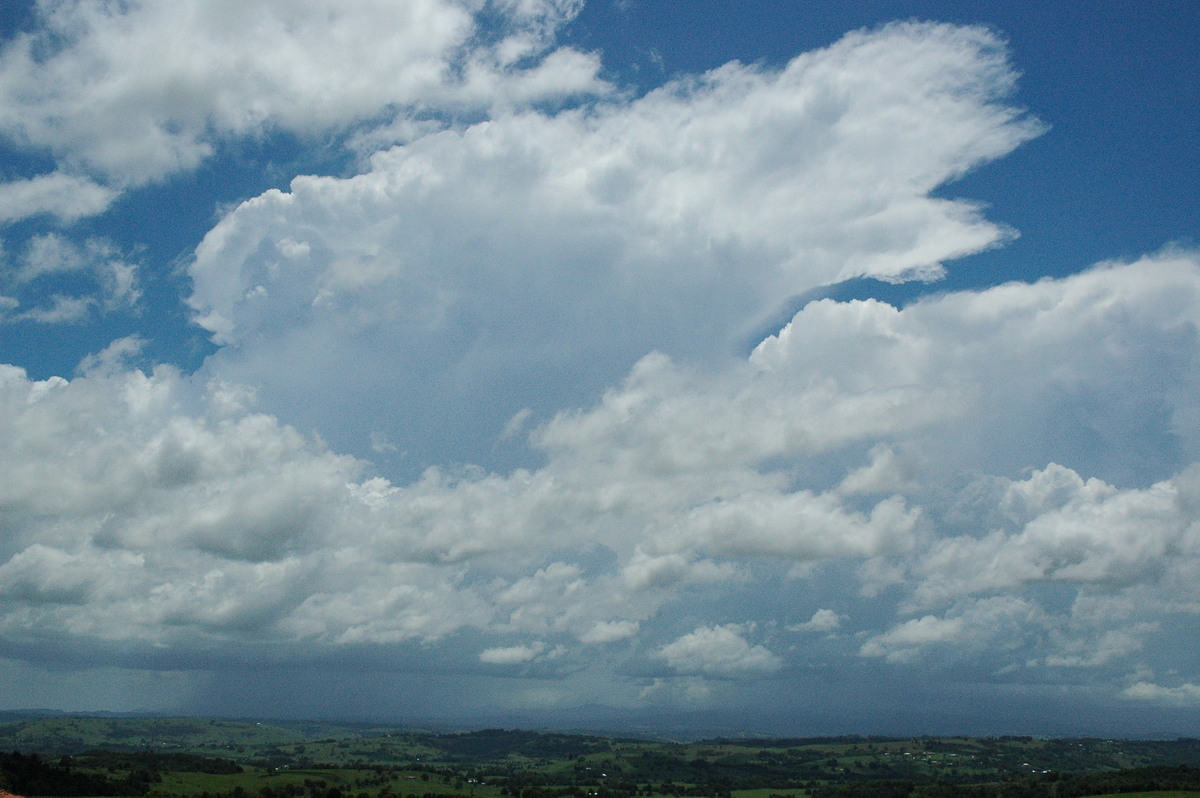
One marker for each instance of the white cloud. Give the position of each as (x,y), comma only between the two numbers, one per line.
(43,574)
(718,651)
(1186,694)
(230,524)
(67,197)
(536,602)
(48,254)
(609,632)
(470,265)
(145,508)
(885,473)
(1100,649)
(111,280)
(899,644)
(821,621)
(109,469)
(361,600)
(797,525)
(120,90)
(59,309)
(114,358)
(512,655)
(644,571)
(1098,535)
(1089,371)
(993,625)
(1010,468)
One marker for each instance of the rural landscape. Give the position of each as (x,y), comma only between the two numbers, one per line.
(209,758)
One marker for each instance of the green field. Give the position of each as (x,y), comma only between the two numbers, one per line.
(204,758)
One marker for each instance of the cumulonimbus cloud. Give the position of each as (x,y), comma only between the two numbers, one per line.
(554,250)
(587,276)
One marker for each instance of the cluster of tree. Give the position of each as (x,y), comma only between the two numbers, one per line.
(781,769)
(501,743)
(867,789)
(29,774)
(315,789)
(153,761)
(1050,785)
(796,742)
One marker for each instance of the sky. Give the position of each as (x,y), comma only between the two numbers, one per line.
(758,367)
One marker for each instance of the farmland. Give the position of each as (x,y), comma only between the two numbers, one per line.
(210,758)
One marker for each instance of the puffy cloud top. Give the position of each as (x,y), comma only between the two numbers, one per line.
(132,92)
(482,261)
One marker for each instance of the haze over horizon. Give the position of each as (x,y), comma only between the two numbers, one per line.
(793,368)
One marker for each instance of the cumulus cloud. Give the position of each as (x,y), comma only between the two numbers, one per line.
(644,570)
(1117,405)
(675,222)
(718,651)
(67,197)
(114,358)
(1101,648)
(231,525)
(998,622)
(885,473)
(151,509)
(903,641)
(142,105)
(1096,535)
(511,655)
(609,632)
(1187,694)
(821,621)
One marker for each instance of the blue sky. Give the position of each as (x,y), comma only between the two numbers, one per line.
(703,366)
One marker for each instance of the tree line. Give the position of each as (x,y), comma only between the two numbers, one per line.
(1048,785)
